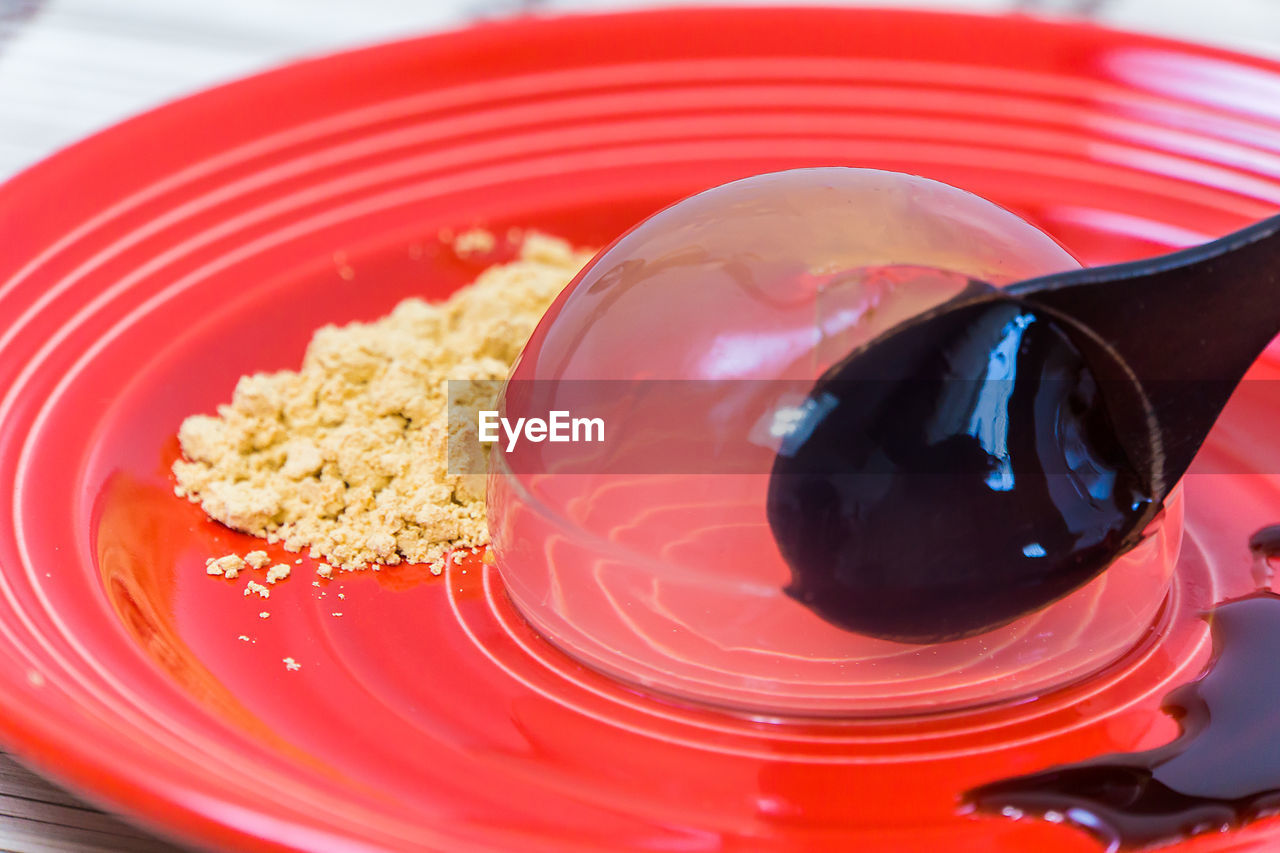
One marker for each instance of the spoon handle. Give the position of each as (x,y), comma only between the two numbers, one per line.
(1187,324)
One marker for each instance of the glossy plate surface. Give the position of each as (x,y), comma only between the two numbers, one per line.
(146,268)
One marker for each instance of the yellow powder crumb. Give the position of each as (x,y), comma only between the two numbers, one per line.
(474,241)
(277,572)
(254,586)
(324,570)
(227,567)
(257,559)
(346,457)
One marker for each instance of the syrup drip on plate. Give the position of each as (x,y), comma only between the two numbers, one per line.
(1265,546)
(1221,772)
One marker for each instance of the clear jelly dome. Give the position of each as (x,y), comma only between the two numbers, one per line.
(653,560)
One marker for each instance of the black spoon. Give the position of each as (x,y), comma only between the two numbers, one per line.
(986,458)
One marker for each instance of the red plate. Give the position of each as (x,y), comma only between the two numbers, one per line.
(146,268)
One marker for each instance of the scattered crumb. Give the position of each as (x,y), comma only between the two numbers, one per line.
(245,638)
(345,271)
(342,596)
(298,562)
(228,566)
(254,586)
(346,457)
(489,559)
(292,665)
(263,615)
(335,614)
(474,241)
(257,559)
(277,572)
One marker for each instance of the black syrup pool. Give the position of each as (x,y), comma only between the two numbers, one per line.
(1222,771)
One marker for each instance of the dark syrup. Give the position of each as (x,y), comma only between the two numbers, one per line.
(954,477)
(1266,542)
(1223,769)
(1265,546)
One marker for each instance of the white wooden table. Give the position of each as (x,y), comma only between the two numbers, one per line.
(69,67)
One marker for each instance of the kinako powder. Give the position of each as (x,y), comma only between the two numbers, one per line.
(347,456)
